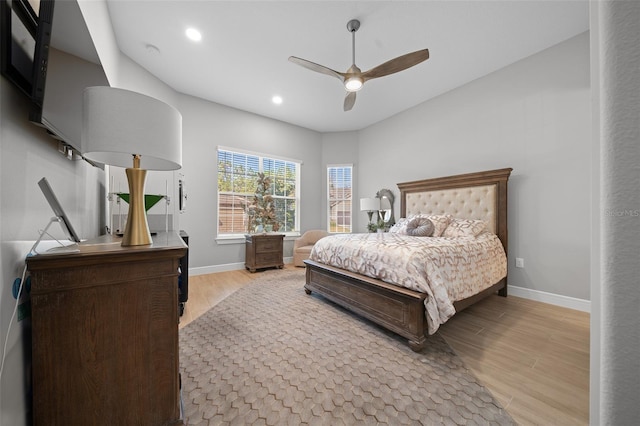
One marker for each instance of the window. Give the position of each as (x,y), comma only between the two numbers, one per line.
(339,183)
(237,178)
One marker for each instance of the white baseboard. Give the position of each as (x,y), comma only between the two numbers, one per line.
(203,270)
(526,293)
(553,299)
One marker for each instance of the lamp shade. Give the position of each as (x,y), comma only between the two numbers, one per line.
(369,204)
(118,124)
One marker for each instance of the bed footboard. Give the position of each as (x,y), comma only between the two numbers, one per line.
(398,309)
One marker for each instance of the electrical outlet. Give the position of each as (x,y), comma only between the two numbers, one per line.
(519,262)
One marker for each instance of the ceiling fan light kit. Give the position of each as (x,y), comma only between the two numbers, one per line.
(353,84)
(354,78)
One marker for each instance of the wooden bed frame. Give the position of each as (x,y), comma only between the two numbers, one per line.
(399,309)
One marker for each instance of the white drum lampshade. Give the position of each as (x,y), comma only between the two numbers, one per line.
(369,204)
(128,129)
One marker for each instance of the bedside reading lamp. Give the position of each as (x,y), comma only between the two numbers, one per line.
(127,129)
(369,205)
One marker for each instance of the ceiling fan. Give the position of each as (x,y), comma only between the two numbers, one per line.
(353,79)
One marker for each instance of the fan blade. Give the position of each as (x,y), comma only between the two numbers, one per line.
(315,67)
(349,101)
(398,64)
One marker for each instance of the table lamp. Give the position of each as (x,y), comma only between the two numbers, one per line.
(369,205)
(127,129)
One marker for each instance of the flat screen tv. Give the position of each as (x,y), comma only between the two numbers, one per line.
(25,31)
(49,54)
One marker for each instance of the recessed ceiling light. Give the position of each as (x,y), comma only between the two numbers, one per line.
(277,100)
(193,34)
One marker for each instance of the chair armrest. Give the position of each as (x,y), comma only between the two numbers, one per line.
(309,238)
(300,242)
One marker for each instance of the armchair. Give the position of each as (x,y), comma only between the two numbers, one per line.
(303,245)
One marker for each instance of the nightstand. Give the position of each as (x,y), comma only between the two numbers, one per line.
(263,251)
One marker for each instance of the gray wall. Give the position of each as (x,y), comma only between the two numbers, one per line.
(27,154)
(533,116)
(205,127)
(342,148)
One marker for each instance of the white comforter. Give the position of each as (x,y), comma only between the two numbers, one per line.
(446,269)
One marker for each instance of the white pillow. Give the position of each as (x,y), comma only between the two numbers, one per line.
(440,223)
(400,227)
(464,228)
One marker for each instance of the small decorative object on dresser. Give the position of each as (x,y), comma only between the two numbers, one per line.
(263,251)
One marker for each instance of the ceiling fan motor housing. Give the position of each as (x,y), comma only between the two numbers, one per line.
(353,25)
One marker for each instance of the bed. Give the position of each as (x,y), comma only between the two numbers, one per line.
(471,196)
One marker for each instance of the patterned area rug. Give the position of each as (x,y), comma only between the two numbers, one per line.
(271,354)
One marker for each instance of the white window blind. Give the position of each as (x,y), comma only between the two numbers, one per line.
(339,188)
(237,179)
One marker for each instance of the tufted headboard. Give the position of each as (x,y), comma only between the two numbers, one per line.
(481,195)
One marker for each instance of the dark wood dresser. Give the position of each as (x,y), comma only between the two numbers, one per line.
(105,333)
(263,251)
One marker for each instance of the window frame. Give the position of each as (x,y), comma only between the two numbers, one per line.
(330,199)
(222,237)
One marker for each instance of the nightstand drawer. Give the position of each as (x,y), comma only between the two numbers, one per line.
(266,245)
(269,258)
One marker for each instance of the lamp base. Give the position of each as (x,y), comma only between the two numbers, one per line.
(370,213)
(136,232)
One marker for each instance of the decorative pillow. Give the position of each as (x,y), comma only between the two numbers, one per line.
(464,228)
(400,227)
(440,223)
(420,226)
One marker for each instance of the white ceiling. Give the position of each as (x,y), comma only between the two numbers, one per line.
(242,58)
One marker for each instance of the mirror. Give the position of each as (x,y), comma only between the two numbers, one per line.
(385,214)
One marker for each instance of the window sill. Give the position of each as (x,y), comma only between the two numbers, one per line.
(240,239)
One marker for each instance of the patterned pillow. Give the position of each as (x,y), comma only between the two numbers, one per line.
(464,228)
(400,227)
(440,223)
(420,226)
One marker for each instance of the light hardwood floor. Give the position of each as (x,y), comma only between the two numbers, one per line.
(532,356)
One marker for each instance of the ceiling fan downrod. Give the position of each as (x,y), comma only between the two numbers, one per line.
(352,81)
(353,26)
